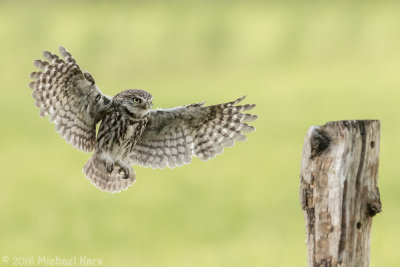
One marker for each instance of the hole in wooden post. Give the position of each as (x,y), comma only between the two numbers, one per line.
(359,225)
(372,144)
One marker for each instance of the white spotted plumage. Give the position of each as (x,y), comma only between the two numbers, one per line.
(130,132)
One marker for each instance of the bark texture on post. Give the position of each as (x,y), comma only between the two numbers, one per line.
(339,191)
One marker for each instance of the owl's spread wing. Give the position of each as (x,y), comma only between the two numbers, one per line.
(70,97)
(173,136)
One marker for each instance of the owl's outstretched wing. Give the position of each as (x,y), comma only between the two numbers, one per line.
(71,98)
(173,136)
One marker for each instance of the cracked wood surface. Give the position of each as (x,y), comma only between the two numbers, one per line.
(339,192)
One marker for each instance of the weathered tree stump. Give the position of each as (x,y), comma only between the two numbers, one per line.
(339,191)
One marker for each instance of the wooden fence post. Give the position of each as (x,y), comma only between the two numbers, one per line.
(339,192)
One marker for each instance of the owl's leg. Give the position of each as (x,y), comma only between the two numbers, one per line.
(123,168)
(109,164)
(107,161)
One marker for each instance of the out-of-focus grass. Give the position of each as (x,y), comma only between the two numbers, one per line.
(302,63)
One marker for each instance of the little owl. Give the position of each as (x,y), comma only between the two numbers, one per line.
(130,131)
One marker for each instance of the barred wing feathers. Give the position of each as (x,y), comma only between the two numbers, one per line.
(70,97)
(173,136)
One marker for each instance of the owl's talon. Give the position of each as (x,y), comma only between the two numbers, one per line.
(125,172)
(109,165)
(123,168)
(110,168)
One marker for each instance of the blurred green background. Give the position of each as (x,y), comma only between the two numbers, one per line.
(302,62)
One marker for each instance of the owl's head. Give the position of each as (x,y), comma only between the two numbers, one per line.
(135,101)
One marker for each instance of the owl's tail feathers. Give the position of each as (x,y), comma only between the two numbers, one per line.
(114,182)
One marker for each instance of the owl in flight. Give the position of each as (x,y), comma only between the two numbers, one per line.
(130,131)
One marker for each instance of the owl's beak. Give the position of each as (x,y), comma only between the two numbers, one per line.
(145,105)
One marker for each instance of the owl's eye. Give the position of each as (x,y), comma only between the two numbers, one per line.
(136,100)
